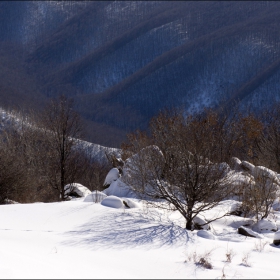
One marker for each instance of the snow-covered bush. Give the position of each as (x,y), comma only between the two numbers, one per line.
(259,196)
(261,172)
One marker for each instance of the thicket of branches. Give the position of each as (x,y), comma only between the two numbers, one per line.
(40,154)
(184,160)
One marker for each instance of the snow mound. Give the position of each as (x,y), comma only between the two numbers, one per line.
(95,196)
(206,234)
(112,201)
(265,225)
(76,189)
(112,175)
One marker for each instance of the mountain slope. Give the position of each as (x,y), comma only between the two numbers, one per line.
(124,61)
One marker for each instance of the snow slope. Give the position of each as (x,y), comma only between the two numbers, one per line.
(74,239)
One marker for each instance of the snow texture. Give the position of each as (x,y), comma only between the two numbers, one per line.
(39,240)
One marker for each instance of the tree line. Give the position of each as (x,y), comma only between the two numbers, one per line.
(40,154)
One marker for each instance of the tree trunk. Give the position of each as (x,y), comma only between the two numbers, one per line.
(189,224)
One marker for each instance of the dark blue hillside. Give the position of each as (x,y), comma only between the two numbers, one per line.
(124,61)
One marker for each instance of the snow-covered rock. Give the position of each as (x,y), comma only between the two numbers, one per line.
(264,225)
(248,232)
(239,180)
(76,189)
(261,172)
(276,238)
(247,166)
(199,223)
(224,167)
(130,203)
(112,175)
(205,234)
(235,164)
(120,189)
(236,208)
(95,196)
(9,201)
(112,201)
(151,156)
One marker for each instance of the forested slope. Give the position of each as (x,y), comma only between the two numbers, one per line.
(123,61)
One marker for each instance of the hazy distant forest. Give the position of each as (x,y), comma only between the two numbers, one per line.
(124,61)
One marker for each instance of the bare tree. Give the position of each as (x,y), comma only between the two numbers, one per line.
(93,170)
(259,196)
(62,128)
(248,130)
(14,172)
(182,167)
(270,141)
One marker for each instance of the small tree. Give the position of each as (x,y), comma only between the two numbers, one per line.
(259,196)
(182,166)
(93,171)
(14,172)
(269,147)
(62,127)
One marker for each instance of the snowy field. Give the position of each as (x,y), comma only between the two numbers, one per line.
(77,239)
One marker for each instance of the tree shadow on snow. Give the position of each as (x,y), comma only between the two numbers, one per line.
(124,229)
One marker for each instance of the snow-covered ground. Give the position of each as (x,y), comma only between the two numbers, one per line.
(77,239)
